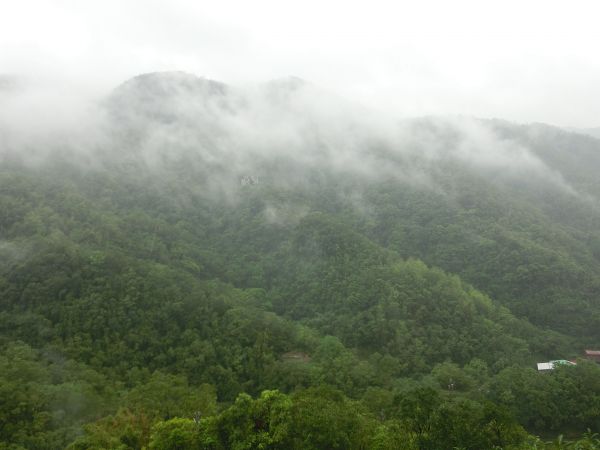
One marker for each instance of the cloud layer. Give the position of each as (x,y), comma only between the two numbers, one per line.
(519,61)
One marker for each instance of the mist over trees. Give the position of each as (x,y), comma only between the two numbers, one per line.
(191,264)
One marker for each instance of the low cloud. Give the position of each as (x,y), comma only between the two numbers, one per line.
(281,130)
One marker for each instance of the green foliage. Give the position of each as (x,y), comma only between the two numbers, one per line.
(142,312)
(122,431)
(44,399)
(565,399)
(180,434)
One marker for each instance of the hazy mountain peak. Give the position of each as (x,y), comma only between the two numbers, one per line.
(166,97)
(158,84)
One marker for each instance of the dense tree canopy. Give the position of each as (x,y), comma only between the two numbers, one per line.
(152,307)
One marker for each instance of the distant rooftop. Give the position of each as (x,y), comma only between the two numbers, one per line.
(550,365)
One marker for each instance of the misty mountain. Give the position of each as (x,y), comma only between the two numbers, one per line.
(457,193)
(292,119)
(489,182)
(593,132)
(157,96)
(194,240)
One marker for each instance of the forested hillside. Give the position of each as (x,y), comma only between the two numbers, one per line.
(272,267)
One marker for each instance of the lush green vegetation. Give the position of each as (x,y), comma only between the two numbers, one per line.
(140,308)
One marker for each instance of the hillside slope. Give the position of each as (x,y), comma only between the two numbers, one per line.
(218,241)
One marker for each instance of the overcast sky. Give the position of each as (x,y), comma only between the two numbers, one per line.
(527,61)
